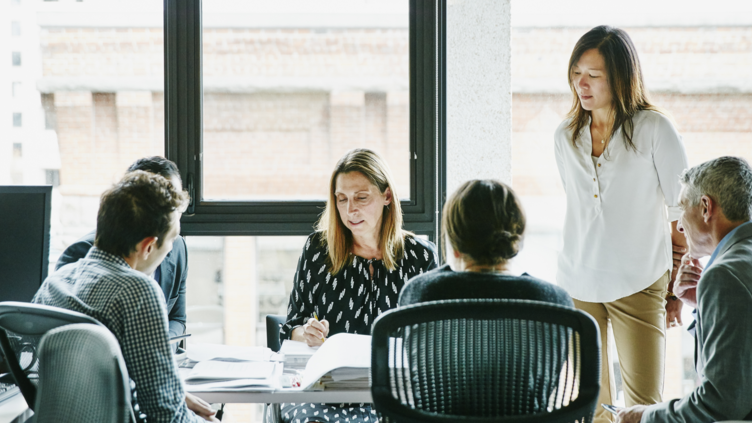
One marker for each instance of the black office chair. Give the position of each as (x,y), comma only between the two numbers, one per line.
(22,326)
(484,361)
(273,323)
(82,377)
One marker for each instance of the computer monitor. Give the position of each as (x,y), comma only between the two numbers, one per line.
(24,240)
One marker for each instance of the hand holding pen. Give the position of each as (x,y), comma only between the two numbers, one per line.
(315,331)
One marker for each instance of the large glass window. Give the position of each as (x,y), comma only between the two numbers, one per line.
(696,67)
(286,94)
(262,102)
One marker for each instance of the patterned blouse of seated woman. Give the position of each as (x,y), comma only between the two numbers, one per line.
(352,269)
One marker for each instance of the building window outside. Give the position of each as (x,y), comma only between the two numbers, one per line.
(16,58)
(16,89)
(16,165)
(15,2)
(17,120)
(15,29)
(52,177)
(50,117)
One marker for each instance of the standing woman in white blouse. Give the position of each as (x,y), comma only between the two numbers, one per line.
(619,159)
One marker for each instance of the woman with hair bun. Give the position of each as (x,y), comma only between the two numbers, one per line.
(483,226)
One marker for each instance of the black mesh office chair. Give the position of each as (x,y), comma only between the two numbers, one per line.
(484,361)
(22,326)
(82,377)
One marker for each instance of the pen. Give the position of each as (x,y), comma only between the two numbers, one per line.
(317,319)
(611,409)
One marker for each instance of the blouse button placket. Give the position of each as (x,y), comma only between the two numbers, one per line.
(596,187)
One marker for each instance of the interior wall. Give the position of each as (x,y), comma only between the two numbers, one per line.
(479,93)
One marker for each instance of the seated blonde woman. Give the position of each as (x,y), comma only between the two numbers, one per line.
(483,225)
(352,269)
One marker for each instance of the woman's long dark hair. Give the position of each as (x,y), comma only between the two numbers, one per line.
(624,75)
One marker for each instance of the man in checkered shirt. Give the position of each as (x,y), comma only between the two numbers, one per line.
(137,222)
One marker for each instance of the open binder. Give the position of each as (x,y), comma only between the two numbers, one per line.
(342,362)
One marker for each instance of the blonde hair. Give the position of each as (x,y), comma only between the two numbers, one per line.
(335,234)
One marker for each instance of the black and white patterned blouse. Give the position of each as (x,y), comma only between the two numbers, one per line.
(350,300)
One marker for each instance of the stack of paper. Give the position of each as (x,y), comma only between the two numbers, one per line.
(204,352)
(214,371)
(342,362)
(296,354)
(223,367)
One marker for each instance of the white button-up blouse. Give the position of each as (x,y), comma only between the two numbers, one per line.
(617,239)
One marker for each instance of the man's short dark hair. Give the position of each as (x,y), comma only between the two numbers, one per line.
(158,165)
(137,207)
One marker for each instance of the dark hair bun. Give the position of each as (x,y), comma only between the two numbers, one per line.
(484,220)
(505,244)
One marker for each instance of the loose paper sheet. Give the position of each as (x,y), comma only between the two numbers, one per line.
(204,352)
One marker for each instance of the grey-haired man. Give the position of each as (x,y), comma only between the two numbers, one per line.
(716,200)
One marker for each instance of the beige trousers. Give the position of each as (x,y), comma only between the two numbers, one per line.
(639,325)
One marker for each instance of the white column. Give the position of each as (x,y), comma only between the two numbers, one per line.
(479,91)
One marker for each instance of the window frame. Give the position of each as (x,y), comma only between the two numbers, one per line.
(183,96)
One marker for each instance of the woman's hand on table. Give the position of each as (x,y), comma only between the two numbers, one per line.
(313,333)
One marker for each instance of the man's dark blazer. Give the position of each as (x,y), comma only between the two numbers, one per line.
(723,349)
(174,271)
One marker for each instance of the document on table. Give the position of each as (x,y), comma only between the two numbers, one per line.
(296,353)
(205,352)
(255,385)
(214,370)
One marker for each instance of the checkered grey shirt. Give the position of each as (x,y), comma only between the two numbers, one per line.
(132,306)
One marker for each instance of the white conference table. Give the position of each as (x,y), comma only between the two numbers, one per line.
(16,405)
(281,395)
(12,408)
(286,395)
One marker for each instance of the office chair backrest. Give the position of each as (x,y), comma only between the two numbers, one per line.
(485,360)
(273,323)
(21,328)
(82,377)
